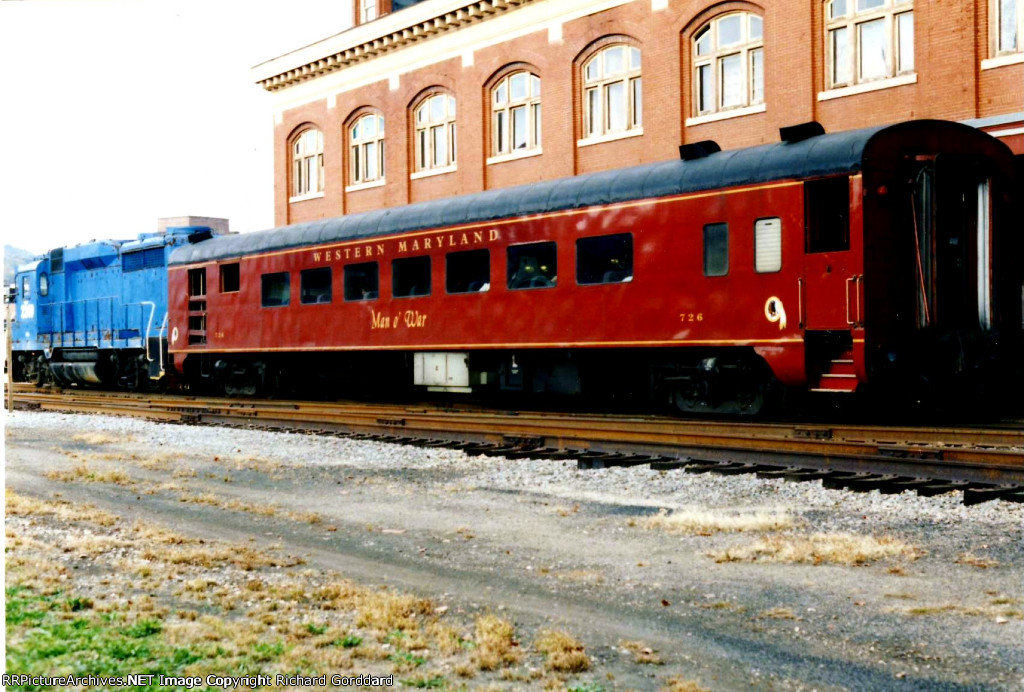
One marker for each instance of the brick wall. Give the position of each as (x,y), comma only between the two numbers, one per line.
(951,41)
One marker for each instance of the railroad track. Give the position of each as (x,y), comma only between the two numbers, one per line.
(984,463)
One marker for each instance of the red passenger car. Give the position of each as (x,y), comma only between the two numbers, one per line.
(881,256)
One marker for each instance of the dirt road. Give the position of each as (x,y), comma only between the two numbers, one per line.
(737,582)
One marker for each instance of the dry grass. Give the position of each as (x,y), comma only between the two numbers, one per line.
(21,505)
(83,473)
(496,644)
(997,609)
(99,438)
(818,549)
(779,613)
(976,561)
(680,684)
(642,654)
(562,652)
(386,611)
(704,522)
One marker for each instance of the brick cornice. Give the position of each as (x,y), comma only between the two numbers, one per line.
(391,34)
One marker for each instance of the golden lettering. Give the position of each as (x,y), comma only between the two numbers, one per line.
(415,319)
(465,240)
(380,249)
(426,244)
(415,244)
(358,252)
(495,234)
(368,251)
(403,246)
(337,254)
(316,256)
(478,236)
(380,321)
(348,252)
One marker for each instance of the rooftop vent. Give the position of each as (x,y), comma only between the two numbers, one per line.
(798,133)
(698,150)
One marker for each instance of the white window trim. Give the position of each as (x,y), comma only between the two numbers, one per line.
(877,85)
(625,134)
(601,84)
(523,154)
(1002,61)
(744,48)
(726,115)
(432,172)
(530,103)
(365,186)
(307,196)
(854,19)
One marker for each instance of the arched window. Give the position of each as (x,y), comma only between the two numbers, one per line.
(867,40)
(515,113)
(366,147)
(612,91)
(434,119)
(1008,26)
(728,63)
(308,162)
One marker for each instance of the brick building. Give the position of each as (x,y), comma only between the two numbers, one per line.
(429,98)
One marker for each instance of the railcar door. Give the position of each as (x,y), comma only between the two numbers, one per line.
(831,294)
(952,222)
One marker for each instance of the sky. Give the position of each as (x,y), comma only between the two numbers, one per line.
(114,113)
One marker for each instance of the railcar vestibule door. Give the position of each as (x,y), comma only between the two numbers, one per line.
(832,292)
(952,223)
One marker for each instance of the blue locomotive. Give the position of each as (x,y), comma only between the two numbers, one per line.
(96,313)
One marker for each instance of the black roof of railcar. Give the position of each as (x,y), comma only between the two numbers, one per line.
(822,155)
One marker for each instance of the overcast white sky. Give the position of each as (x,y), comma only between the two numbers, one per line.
(114,113)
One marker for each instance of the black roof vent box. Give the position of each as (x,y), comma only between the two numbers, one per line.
(698,150)
(798,133)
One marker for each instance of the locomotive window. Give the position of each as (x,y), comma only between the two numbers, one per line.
(534,265)
(44,284)
(229,278)
(361,281)
(26,287)
(276,289)
(827,214)
(410,277)
(315,286)
(469,271)
(716,249)
(768,245)
(606,259)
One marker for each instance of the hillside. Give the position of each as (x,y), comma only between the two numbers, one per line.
(14,256)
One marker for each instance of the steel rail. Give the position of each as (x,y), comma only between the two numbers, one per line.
(966,455)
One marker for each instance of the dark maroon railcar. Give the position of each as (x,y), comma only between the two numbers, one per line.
(878,256)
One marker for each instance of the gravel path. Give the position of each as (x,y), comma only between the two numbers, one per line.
(547,544)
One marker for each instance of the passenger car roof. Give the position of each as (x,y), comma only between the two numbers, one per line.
(825,154)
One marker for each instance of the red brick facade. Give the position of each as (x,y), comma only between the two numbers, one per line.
(953,81)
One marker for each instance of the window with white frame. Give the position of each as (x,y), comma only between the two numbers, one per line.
(515,113)
(867,40)
(1008,26)
(434,119)
(308,163)
(728,63)
(367,10)
(612,91)
(366,147)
